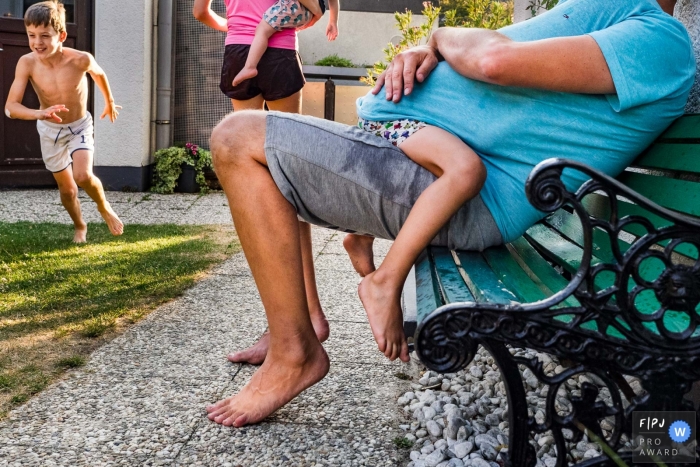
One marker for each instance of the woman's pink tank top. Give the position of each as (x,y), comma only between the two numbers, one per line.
(243,17)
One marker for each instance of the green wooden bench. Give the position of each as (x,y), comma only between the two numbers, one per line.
(609,282)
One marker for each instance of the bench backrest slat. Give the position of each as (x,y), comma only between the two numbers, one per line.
(667,156)
(686,127)
(679,195)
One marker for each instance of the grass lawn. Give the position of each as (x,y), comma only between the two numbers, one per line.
(59,301)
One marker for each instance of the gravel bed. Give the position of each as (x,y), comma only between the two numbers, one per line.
(461,419)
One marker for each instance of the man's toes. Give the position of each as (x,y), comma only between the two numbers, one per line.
(240,421)
(404,352)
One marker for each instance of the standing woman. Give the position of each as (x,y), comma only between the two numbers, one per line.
(278,84)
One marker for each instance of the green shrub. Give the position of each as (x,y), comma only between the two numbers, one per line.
(489,14)
(169,162)
(334,60)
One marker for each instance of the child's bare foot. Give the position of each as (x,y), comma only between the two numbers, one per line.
(115,225)
(80,235)
(280,379)
(382,303)
(359,248)
(244,74)
(256,353)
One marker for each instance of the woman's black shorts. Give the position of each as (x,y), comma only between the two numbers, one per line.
(279,74)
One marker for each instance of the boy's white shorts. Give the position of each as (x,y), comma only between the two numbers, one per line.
(60,140)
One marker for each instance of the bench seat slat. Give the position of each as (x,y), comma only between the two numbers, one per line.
(558,249)
(481,280)
(450,279)
(686,127)
(512,275)
(679,195)
(427,293)
(539,270)
(682,157)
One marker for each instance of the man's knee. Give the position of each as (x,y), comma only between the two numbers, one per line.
(238,136)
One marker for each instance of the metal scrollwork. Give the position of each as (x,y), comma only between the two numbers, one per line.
(621,325)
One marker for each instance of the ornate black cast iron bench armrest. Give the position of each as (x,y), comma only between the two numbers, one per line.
(609,281)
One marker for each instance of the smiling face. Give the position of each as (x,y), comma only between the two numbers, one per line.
(45,41)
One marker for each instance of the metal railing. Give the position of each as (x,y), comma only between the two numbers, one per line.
(332,75)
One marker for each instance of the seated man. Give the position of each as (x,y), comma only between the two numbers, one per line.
(591,80)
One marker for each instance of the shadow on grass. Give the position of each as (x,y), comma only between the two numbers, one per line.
(47,282)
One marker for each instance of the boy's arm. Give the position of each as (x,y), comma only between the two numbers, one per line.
(14,107)
(334,11)
(204,14)
(111,110)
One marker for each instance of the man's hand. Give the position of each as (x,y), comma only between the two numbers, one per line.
(399,78)
(50,113)
(331,31)
(111,110)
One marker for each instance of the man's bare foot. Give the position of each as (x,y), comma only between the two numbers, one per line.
(244,74)
(382,303)
(80,235)
(359,248)
(279,380)
(255,354)
(113,222)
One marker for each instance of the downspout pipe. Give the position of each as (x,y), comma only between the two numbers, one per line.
(165,73)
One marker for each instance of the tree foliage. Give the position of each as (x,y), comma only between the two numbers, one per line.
(491,14)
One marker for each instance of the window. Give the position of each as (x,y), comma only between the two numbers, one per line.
(16,8)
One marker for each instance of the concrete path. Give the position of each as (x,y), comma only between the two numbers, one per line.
(140,399)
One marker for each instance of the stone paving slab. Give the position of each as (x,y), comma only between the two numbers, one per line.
(140,399)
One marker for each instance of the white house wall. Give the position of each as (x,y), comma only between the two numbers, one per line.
(362,36)
(124,49)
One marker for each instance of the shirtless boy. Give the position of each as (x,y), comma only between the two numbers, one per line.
(57,74)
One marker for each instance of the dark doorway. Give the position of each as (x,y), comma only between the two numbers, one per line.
(20,154)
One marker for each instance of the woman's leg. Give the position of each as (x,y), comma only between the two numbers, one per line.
(461,174)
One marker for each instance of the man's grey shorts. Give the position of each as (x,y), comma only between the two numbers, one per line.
(345,178)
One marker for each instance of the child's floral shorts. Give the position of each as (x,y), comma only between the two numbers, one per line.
(395,131)
(285,14)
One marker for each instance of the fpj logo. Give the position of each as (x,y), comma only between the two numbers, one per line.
(664,437)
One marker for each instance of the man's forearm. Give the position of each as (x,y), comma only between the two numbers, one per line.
(467,50)
(572,64)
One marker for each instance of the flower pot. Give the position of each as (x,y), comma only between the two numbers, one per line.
(187,182)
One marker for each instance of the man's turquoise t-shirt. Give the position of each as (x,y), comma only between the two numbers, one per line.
(650,56)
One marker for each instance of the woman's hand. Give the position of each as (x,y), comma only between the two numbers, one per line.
(399,78)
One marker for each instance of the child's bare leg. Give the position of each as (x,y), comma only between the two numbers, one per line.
(359,248)
(461,175)
(84,178)
(257,48)
(69,198)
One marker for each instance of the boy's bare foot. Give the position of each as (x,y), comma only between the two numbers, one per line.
(80,235)
(279,380)
(115,225)
(383,307)
(359,248)
(256,353)
(244,74)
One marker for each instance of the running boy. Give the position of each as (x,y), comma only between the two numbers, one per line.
(286,14)
(57,74)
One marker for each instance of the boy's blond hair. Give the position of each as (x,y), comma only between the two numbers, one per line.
(50,13)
